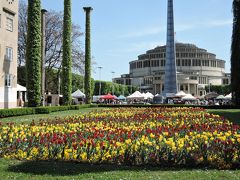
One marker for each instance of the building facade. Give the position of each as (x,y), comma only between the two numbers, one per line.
(8,53)
(196,68)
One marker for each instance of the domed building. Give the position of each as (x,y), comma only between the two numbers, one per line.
(196,68)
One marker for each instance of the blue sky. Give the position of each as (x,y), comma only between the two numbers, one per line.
(124,29)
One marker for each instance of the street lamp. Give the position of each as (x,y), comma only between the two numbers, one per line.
(100,67)
(209,84)
(130,80)
(112,82)
(140,82)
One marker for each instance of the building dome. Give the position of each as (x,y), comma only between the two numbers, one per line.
(196,67)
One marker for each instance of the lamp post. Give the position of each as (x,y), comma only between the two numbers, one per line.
(131,84)
(99,67)
(112,82)
(140,81)
(209,84)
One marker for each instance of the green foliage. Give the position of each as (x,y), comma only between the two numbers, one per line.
(16,112)
(52,80)
(41,110)
(67,54)
(224,89)
(33,53)
(49,109)
(77,82)
(119,89)
(88,89)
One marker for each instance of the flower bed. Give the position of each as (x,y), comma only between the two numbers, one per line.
(136,136)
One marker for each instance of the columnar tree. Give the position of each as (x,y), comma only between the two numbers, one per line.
(235,56)
(87,86)
(67,54)
(33,53)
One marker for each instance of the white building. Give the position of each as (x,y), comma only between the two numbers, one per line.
(8,53)
(196,68)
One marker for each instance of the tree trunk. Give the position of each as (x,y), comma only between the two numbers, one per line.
(235,56)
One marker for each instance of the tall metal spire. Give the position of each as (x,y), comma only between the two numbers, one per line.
(170,81)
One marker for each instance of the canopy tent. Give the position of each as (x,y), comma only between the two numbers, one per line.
(108,96)
(229,96)
(149,95)
(78,94)
(220,97)
(21,88)
(180,94)
(211,95)
(136,95)
(144,95)
(188,97)
(121,97)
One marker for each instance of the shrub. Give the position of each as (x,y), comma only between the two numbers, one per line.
(16,112)
(41,110)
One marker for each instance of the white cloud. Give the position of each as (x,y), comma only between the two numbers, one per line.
(216,23)
(178,27)
(135,48)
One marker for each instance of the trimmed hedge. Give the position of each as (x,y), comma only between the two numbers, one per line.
(49,109)
(16,112)
(41,110)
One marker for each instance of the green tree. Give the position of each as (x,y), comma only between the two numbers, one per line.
(33,53)
(67,54)
(235,56)
(88,90)
(119,89)
(220,89)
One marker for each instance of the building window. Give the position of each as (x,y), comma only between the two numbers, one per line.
(9,24)
(9,54)
(8,80)
(181,87)
(178,62)
(225,81)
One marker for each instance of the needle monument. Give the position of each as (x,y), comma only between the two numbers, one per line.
(170,80)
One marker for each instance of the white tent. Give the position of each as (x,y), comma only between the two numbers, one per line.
(229,96)
(149,95)
(136,95)
(180,94)
(21,88)
(78,94)
(188,97)
(220,97)
(144,95)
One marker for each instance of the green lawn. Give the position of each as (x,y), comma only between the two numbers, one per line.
(14,169)
(230,114)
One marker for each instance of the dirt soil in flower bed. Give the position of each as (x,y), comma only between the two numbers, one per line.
(166,137)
